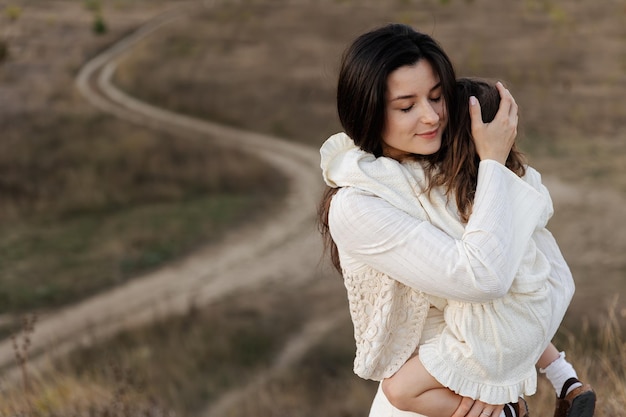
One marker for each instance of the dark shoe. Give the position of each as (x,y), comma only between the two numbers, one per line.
(581,402)
(520,408)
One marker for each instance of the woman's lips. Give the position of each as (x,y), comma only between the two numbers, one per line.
(429,135)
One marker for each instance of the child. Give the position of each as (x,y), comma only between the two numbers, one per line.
(573,398)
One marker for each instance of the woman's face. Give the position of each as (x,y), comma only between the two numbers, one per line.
(415,115)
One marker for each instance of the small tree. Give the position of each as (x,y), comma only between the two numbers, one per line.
(99,25)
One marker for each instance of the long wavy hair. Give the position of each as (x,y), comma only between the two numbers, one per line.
(361,92)
(458,171)
(362,88)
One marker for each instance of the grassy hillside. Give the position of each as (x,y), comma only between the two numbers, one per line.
(271,66)
(87,201)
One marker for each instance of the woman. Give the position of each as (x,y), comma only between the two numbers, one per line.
(395,84)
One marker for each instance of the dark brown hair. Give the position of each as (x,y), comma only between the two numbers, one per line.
(458,171)
(365,68)
(361,91)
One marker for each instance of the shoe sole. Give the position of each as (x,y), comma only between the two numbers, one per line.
(583,405)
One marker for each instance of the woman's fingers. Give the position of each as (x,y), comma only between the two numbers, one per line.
(505,100)
(475,113)
(497,410)
(494,140)
(464,407)
(481,409)
(508,106)
(506,110)
(474,408)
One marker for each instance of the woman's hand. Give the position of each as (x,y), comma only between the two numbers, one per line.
(494,140)
(474,408)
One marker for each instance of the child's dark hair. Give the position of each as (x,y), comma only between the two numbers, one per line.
(459,173)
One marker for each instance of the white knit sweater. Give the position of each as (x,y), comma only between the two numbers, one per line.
(501,277)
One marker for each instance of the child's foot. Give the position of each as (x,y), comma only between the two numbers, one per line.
(579,402)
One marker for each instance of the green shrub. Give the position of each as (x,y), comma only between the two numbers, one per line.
(99,25)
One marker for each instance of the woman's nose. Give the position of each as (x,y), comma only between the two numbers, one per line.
(429,114)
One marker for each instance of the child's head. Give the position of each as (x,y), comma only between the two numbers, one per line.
(486,93)
(488,97)
(462,156)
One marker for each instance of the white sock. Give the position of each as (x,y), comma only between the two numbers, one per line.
(558,372)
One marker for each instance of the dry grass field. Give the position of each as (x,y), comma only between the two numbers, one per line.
(271,66)
(71,178)
(85,194)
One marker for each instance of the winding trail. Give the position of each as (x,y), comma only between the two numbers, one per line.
(286,242)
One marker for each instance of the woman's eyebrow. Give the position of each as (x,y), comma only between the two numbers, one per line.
(403,97)
(406,96)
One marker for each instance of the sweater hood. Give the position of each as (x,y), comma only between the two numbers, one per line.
(335,151)
(346,165)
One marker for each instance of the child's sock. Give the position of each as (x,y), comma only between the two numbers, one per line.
(558,372)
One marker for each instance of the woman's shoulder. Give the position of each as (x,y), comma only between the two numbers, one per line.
(354,199)
(353,209)
(352,214)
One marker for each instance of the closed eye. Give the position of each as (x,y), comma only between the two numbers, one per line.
(406,109)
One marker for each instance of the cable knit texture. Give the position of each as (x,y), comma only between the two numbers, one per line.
(389,305)
(500,279)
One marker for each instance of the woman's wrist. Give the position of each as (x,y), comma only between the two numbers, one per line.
(495,158)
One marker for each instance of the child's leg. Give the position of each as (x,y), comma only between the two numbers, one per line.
(412,388)
(552,363)
(574,399)
(548,356)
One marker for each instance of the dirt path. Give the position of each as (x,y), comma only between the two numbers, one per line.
(286,242)
(294,349)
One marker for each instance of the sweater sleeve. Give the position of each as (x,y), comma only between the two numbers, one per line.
(533,178)
(546,243)
(476,268)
